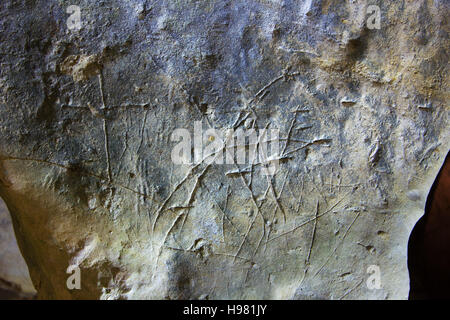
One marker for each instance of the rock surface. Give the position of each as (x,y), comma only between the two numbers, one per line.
(86,118)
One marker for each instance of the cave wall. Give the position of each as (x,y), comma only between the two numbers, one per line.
(86,167)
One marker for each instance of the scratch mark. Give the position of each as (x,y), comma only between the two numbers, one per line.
(310,220)
(339,244)
(350,290)
(105,129)
(313,235)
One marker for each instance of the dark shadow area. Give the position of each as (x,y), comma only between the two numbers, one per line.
(15,282)
(429,243)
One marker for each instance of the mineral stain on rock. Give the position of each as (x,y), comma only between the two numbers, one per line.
(81,67)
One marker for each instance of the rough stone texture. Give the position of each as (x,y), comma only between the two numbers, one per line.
(86,118)
(14,274)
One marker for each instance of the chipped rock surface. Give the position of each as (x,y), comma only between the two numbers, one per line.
(87,115)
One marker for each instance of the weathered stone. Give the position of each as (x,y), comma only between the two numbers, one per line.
(86,118)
